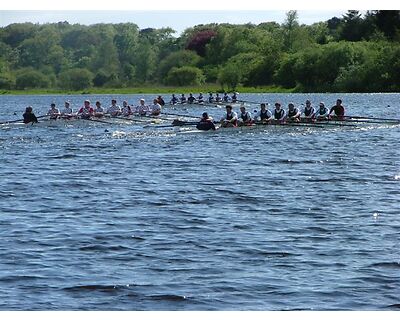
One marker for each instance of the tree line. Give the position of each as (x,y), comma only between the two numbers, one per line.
(353,53)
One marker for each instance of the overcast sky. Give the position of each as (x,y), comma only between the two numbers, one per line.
(177,20)
(178,14)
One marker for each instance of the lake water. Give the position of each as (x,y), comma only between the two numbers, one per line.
(115,217)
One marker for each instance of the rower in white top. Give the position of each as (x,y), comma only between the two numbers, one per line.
(322,112)
(142,109)
(155,109)
(308,112)
(53,112)
(126,109)
(293,114)
(99,110)
(67,112)
(230,119)
(114,110)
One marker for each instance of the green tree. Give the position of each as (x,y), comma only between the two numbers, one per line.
(31,79)
(76,79)
(184,76)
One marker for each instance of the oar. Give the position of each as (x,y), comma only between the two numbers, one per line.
(96,120)
(180,115)
(20,120)
(131,119)
(372,118)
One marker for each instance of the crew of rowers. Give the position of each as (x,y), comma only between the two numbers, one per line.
(201,100)
(278,115)
(88,111)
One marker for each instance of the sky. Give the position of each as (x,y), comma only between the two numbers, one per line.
(178,14)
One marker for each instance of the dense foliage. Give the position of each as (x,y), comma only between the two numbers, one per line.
(351,53)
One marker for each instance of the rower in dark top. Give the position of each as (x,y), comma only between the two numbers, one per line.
(225,97)
(309,112)
(218,98)
(279,113)
(234,97)
(322,112)
(210,98)
(29,116)
(206,123)
(337,111)
(191,99)
(244,118)
(182,98)
(161,101)
(264,115)
(293,114)
(174,100)
(200,98)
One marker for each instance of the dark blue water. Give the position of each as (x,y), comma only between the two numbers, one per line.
(114,217)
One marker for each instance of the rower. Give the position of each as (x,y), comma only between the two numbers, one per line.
(53,112)
(225,98)
(230,119)
(337,111)
(126,109)
(142,109)
(191,99)
(174,100)
(114,110)
(244,118)
(234,97)
(309,112)
(264,115)
(98,111)
(217,98)
(322,112)
(183,98)
(67,112)
(86,111)
(160,101)
(155,109)
(200,98)
(206,123)
(29,116)
(210,98)
(293,114)
(279,113)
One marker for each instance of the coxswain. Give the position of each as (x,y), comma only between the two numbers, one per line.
(206,123)
(230,119)
(191,99)
(53,112)
(264,115)
(234,97)
(322,112)
(226,97)
(218,99)
(142,109)
(86,111)
(244,118)
(29,116)
(182,98)
(114,110)
(200,98)
(67,112)
(279,113)
(126,109)
(174,100)
(160,101)
(337,111)
(308,112)
(293,114)
(155,109)
(99,110)
(210,98)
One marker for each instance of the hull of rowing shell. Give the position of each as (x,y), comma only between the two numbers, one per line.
(330,124)
(79,123)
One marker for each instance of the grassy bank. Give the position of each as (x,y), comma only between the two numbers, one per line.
(148,90)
